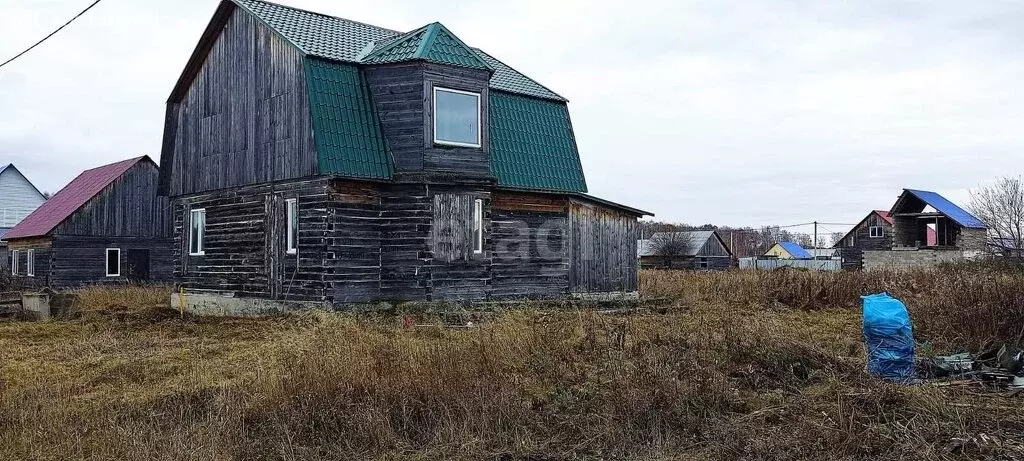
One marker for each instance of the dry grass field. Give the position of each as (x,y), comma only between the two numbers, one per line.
(738,365)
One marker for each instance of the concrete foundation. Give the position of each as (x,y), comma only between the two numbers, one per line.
(911,258)
(217,305)
(37,305)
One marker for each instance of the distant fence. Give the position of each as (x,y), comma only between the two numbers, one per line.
(831,265)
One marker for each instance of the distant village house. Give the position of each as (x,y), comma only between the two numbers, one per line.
(694,250)
(18,198)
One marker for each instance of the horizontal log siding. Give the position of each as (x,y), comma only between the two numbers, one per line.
(603,250)
(245,117)
(353,256)
(245,253)
(530,254)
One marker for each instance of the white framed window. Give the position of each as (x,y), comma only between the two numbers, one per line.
(30,263)
(14,262)
(456,117)
(876,232)
(850,241)
(113,262)
(197,232)
(703,263)
(292,213)
(478,226)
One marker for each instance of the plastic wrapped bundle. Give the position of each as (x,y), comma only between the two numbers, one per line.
(889,338)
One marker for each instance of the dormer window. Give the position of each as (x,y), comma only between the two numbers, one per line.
(456,117)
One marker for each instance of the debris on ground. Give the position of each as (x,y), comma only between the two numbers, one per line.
(1003,369)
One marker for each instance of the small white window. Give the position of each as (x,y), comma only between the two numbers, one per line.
(478,226)
(113,262)
(456,117)
(292,213)
(30,263)
(703,263)
(876,231)
(14,262)
(197,232)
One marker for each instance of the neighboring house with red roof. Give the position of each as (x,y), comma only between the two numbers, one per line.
(872,233)
(107,225)
(311,158)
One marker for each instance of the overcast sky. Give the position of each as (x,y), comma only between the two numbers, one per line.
(735,113)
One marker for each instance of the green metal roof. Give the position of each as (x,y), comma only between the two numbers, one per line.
(344,40)
(346,129)
(532,144)
(433,43)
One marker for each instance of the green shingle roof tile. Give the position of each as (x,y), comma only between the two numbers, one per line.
(532,144)
(346,129)
(344,40)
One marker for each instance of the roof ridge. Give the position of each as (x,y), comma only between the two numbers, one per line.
(395,41)
(319,14)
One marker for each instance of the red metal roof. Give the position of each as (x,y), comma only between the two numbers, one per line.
(72,197)
(885,215)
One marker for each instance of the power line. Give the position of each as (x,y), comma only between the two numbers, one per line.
(51,34)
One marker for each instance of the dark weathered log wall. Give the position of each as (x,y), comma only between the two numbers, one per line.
(364,242)
(853,256)
(244,249)
(530,246)
(245,118)
(128,207)
(602,252)
(75,261)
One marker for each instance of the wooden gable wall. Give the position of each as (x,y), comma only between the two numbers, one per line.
(713,248)
(128,207)
(245,117)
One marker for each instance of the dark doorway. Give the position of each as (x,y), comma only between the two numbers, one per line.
(138,265)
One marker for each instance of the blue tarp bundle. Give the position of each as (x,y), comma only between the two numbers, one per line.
(889,338)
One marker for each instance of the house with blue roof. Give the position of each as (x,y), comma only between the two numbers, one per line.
(311,158)
(923,219)
(788,250)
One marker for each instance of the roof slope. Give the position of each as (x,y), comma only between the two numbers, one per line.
(431,43)
(70,199)
(796,250)
(347,133)
(532,145)
(951,210)
(340,39)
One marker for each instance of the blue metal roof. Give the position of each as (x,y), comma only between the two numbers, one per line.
(957,214)
(796,251)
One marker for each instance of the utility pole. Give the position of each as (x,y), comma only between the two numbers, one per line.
(815,235)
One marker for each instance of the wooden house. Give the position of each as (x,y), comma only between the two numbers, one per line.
(917,213)
(107,225)
(311,158)
(788,250)
(873,233)
(696,250)
(18,198)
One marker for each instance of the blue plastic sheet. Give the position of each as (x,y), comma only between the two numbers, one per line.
(889,338)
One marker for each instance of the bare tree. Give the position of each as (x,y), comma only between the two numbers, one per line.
(836,238)
(1001,207)
(668,246)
